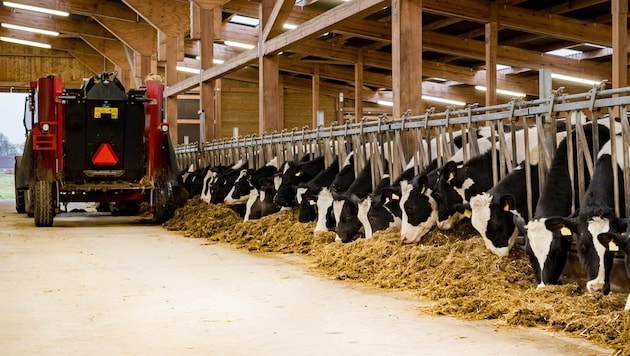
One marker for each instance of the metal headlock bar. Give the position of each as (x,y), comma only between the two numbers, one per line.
(389,144)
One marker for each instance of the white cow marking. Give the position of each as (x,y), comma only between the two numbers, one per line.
(596,226)
(362,215)
(324,201)
(540,241)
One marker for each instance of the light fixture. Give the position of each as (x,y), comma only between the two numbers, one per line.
(289,26)
(385,103)
(442,100)
(30,29)
(574,79)
(188,70)
(501,91)
(238,44)
(214,60)
(24,42)
(35,8)
(244,20)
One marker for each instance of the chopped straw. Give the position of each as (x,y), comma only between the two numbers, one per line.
(453,270)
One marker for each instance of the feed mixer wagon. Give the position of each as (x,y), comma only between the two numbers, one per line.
(95,144)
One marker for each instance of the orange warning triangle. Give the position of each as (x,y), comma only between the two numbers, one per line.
(105,156)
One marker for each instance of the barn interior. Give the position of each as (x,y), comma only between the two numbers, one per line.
(317,56)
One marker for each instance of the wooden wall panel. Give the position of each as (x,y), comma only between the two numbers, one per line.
(239,109)
(21,64)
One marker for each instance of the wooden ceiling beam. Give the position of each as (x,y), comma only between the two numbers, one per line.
(112,50)
(65,26)
(210,4)
(169,16)
(140,36)
(112,9)
(277,18)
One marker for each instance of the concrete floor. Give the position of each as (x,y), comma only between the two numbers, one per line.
(102,285)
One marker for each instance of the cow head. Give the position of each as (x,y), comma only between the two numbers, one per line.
(325,216)
(307,204)
(348,224)
(493,217)
(418,208)
(547,243)
(615,242)
(595,258)
(449,192)
(240,192)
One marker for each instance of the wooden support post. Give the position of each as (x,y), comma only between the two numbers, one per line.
(269,90)
(316,81)
(491,57)
(620,45)
(358,86)
(407,56)
(171,79)
(206,22)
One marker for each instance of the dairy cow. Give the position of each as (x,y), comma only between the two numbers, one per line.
(251,188)
(307,193)
(212,176)
(492,213)
(417,204)
(324,201)
(613,242)
(295,173)
(597,215)
(458,183)
(547,238)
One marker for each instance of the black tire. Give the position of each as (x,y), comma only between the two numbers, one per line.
(164,204)
(20,202)
(43,204)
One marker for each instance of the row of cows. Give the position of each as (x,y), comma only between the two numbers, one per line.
(453,193)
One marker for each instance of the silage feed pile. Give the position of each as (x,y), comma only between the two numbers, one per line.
(452,269)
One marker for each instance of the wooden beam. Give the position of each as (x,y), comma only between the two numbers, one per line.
(209,4)
(491,57)
(171,17)
(67,27)
(140,36)
(358,85)
(277,18)
(406,61)
(113,9)
(269,109)
(620,43)
(171,79)
(207,99)
(315,93)
(112,50)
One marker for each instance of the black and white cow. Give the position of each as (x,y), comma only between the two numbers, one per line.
(295,173)
(248,190)
(417,205)
(547,236)
(458,183)
(307,193)
(325,215)
(492,213)
(345,208)
(597,215)
(212,176)
(614,242)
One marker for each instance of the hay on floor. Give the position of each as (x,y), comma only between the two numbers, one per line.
(452,269)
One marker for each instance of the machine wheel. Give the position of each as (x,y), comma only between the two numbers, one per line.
(43,204)
(164,205)
(20,202)
(28,202)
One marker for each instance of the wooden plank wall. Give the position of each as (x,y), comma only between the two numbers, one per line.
(21,64)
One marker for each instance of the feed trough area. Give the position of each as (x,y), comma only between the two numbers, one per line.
(452,269)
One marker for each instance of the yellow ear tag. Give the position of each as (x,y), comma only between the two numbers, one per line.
(612,246)
(422,191)
(386,200)
(298,173)
(506,207)
(395,196)
(450,177)
(565,231)
(467,213)
(312,202)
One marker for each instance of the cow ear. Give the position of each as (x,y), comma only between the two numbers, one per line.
(507,202)
(450,171)
(611,240)
(354,199)
(423,183)
(563,226)
(464,208)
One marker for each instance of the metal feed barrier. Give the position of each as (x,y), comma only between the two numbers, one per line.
(392,143)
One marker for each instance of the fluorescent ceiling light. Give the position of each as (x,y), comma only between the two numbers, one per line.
(289,26)
(188,70)
(442,100)
(238,44)
(214,60)
(503,67)
(30,29)
(244,20)
(385,103)
(35,8)
(574,79)
(501,91)
(564,52)
(27,43)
